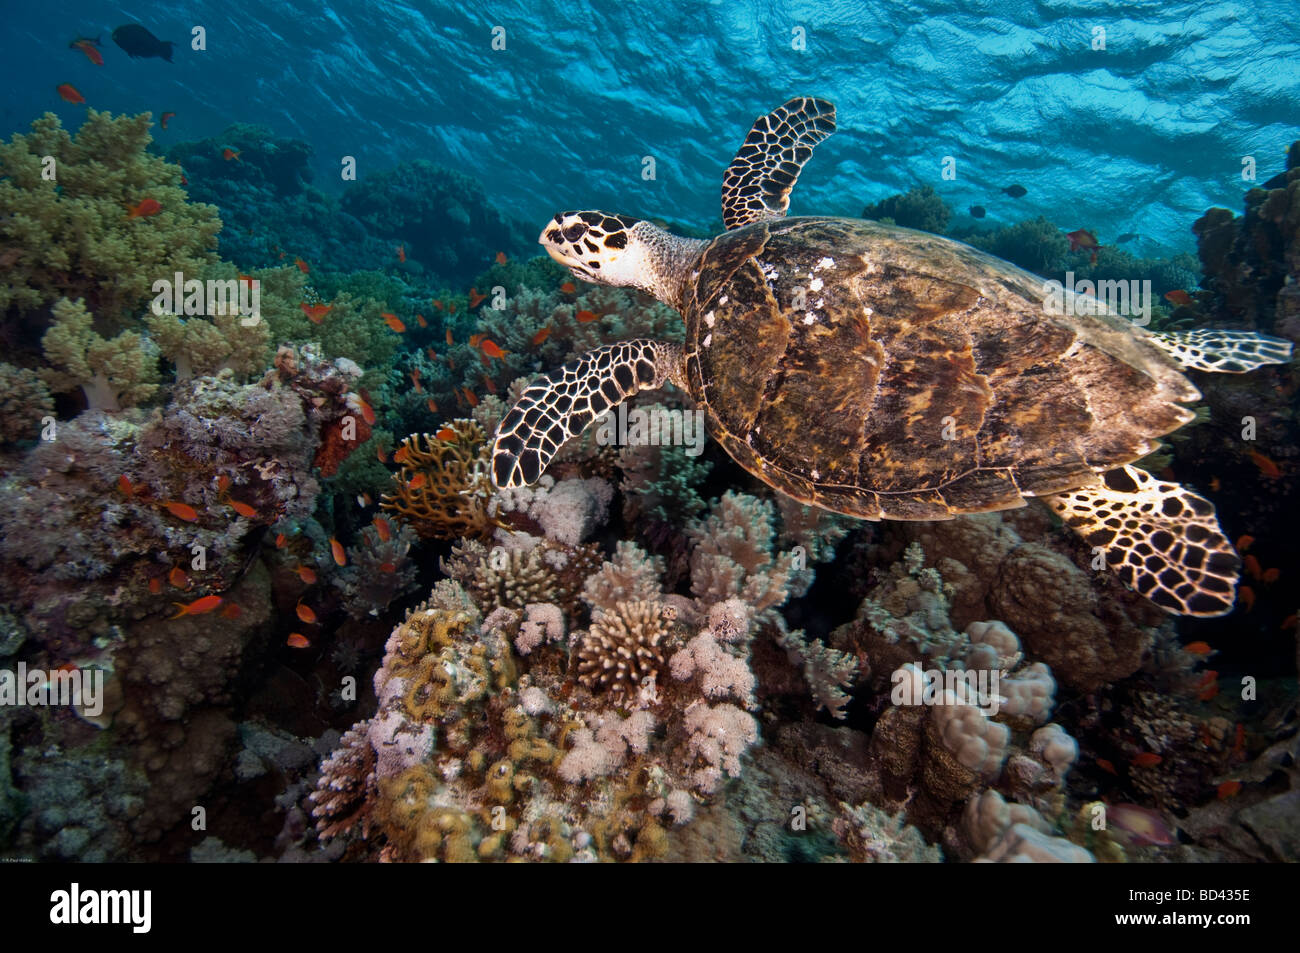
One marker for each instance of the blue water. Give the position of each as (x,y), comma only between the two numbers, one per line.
(1141,137)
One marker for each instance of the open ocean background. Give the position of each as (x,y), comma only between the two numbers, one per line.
(1141,137)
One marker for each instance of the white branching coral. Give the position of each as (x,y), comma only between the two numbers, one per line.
(542,623)
(733,554)
(631,576)
(829,672)
(567,511)
(719,735)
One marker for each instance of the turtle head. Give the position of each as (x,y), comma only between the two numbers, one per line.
(594,246)
(619,250)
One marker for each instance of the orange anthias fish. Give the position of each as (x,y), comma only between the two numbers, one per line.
(387,567)
(125,486)
(541,335)
(231,611)
(401,253)
(1180,298)
(68,93)
(492,349)
(1081,239)
(432,405)
(419,319)
(418,481)
(367,412)
(475,299)
(178,578)
(1246,596)
(415,380)
(1198,648)
(568,287)
(145,208)
(501,258)
(1208,686)
(280,540)
(88,47)
(1271,575)
(450,342)
(155,585)
(1245,542)
(487,382)
(1266,466)
(315,312)
(1252,566)
(437,305)
(198,607)
(451,308)
(1147,759)
(475,338)
(229,154)
(182,511)
(306,614)
(223,483)
(336,550)
(401,456)
(302,265)
(1106,766)
(586,317)
(469,396)
(446,433)
(1229,789)
(379,453)
(393,321)
(297,641)
(383,529)
(243,509)
(166,118)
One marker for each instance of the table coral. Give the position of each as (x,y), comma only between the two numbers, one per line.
(71,232)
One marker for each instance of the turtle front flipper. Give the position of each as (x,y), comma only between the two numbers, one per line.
(559,406)
(757,184)
(1160,538)
(1223,352)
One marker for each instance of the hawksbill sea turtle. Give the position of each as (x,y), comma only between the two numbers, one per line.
(886,373)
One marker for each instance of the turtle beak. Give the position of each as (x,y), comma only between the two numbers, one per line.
(552,240)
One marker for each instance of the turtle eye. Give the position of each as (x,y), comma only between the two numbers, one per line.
(575,231)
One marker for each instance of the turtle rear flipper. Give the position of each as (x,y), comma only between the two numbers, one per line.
(1224,352)
(559,406)
(757,184)
(1160,538)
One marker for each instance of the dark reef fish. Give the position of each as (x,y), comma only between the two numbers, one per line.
(138,42)
(1016,191)
(978,211)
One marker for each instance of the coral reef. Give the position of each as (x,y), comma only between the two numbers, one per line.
(65,228)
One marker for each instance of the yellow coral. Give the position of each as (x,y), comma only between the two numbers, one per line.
(111,373)
(443,486)
(64,229)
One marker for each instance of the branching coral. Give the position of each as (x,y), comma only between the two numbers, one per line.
(443,487)
(518,577)
(65,230)
(733,554)
(625,649)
